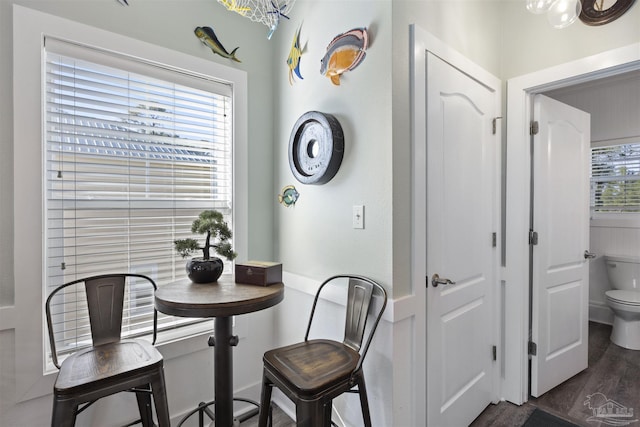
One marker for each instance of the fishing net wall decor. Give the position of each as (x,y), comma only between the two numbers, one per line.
(268,12)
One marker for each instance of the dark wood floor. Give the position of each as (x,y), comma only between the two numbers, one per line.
(613,371)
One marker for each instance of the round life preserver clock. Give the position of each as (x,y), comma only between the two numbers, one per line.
(316,147)
(600,12)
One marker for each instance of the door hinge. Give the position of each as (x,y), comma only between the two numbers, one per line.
(494,351)
(494,239)
(494,124)
(534,128)
(533,237)
(532,348)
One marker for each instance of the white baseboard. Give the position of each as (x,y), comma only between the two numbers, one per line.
(600,313)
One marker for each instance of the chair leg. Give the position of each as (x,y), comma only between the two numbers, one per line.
(364,401)
(160,399)
(64,412)
(265,403)
(328,411)
(312,414)
(144,406)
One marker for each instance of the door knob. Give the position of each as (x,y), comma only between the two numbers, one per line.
(437,280)
(589,255)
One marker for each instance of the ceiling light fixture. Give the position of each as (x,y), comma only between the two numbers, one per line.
(539,6)
(560,13)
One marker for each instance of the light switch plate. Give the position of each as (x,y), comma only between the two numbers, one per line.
(358,216)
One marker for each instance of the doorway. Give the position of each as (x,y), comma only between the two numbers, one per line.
(519,101)
(567,401)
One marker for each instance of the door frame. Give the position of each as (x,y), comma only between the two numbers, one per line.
(515,274)
(422,41)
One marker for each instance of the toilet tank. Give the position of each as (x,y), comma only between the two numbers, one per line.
(623,272)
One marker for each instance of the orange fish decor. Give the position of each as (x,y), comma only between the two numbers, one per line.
(345,52)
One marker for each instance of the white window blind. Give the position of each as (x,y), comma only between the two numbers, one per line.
(134,152)
(615,178)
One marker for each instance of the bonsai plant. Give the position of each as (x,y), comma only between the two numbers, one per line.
(207,269)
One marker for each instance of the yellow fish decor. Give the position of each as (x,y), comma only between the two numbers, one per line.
(293,61)
(345,52)
(209,39)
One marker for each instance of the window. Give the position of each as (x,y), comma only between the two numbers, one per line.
(30,177)
(615,178)
(133,153)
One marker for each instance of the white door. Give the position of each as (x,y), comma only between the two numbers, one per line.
(461,221)
(560,270)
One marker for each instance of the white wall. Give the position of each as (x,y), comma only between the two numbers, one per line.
(530,44)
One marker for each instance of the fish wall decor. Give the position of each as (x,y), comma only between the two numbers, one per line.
(209,39)
(345,52)
(289,196)
(293,61)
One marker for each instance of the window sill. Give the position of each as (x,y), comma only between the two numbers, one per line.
(616,220)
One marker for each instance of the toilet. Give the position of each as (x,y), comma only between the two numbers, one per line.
(624,299)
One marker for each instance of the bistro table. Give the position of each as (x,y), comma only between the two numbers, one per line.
(222,300)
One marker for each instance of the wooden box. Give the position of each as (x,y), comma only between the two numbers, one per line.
(262,273)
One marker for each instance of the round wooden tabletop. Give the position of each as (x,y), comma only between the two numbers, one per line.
(222,298)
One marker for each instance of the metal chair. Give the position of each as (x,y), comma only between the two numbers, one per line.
(109,364)
(314,372)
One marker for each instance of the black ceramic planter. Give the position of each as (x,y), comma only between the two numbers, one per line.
(204,270)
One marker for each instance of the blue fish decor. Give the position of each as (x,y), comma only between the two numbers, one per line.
(345,52)
(209,39)
(289,196)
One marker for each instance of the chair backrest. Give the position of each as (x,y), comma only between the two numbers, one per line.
(105,303)
(360,296)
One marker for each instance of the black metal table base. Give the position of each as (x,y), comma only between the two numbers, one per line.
(203,408)
(223,340)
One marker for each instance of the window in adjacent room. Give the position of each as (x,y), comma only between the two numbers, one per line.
(615,178)
(134,152)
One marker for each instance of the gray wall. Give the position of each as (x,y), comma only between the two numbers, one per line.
(169,24)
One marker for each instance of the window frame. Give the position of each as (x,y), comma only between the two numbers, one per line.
(604,219)
(83,143)
(29,186)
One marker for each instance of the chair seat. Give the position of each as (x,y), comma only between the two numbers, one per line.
(312,366)
(105,364)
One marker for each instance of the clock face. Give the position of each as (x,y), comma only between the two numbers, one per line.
(600,12)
